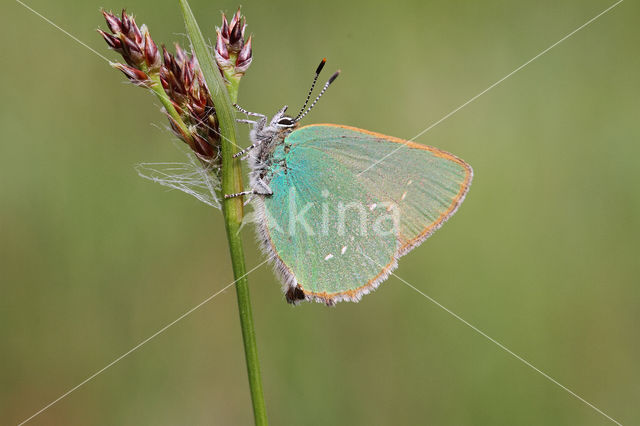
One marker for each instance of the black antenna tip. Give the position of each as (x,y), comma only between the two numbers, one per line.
(324,61)
(333,77)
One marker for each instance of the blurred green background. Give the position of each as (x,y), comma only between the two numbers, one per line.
(543,255)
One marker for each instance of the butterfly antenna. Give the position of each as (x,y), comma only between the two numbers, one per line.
(315,80)
(324,89)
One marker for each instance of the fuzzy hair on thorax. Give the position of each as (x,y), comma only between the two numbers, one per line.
(266,136)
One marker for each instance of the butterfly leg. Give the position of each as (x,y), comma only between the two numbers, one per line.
(244,111)
(240,194)
(247,149)
(243,193)
(263,189)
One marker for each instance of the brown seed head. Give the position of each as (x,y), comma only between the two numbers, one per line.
(183,82)
(180,75)
(132,42)
(232,53)
(135,75)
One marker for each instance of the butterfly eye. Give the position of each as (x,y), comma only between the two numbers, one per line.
(286,122)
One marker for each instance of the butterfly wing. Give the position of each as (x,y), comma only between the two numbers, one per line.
(335,225)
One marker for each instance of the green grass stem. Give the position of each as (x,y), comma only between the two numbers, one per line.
(233,207)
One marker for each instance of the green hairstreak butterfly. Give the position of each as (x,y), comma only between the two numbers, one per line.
(335,221)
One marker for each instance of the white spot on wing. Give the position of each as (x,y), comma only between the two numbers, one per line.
(329,256)
(344,249)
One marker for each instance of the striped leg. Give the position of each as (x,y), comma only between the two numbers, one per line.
(242,120)
(247,149)
(244,111)
(240,194)
(243,193)
(266,190)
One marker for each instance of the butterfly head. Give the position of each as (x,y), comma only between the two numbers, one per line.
(281,120)
(281,124)
(286,122)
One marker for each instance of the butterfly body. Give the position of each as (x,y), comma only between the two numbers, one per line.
(335,226)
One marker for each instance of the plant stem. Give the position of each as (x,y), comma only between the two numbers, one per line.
(156,88)
(233,207)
